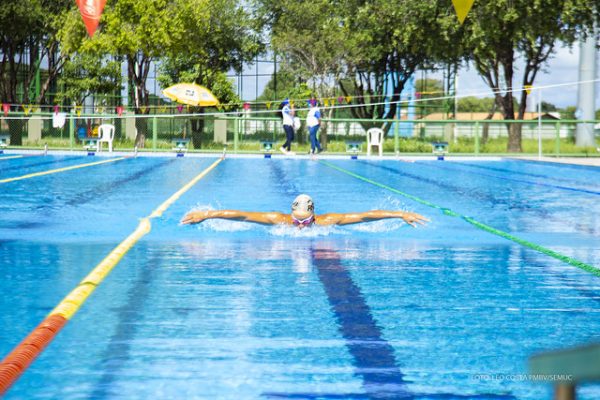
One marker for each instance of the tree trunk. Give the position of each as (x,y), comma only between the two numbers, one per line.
(141,127)
(486,127)
(514,138)
(16,128)
(323,130)
(197,130)
(137,69)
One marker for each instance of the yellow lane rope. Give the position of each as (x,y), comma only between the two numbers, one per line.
(55,171)
(74,300)
(18,360)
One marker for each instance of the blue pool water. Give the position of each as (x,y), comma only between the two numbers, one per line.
(234,310)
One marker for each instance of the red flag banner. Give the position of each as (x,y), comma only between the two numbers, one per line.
(6,109)
(91,10)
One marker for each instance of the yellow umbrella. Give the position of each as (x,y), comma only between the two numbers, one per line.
(191,94)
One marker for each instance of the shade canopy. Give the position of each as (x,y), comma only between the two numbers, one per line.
(191,94)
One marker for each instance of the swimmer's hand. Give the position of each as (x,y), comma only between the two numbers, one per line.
(413,218)
(194,217)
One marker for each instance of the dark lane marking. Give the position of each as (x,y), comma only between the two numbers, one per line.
(447,166)
(571,261)
(38,164)
(590,168)
(373,356)
(105,188)
(473,194)
(510,171)
(424,396)
(118,351)
(477,195)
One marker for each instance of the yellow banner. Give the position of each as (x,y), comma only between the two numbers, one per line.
(462,8)
(528,88)
(268,104)
(348,99)
(27,108)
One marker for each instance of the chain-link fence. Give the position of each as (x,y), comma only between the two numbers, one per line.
(252,132)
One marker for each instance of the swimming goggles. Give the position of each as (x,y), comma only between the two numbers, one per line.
(305,221)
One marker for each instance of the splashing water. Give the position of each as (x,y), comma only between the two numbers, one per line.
(313,231)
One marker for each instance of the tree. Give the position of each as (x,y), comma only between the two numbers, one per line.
(310,37)
(139,32)
(475,104)
(217,36)
(430,89)
(88,69)
(85,74)
(497,32)
(387,42)
(28,35)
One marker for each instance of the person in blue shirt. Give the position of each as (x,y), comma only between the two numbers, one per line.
(287,113)
(313,121)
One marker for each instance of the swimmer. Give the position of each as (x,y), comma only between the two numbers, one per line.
(302,216)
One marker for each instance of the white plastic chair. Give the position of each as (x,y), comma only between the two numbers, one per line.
(106,133)
(375,138)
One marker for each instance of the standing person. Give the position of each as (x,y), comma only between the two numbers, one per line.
(287,113)
(313,121)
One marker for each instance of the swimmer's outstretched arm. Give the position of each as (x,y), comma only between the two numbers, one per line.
(266,218)
(354,218)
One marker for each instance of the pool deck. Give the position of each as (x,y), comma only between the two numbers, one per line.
(588,161)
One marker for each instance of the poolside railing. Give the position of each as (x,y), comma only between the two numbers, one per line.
(245,133)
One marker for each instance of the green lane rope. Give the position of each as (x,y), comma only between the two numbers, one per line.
(569,260)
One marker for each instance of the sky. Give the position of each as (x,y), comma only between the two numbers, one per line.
(562,68)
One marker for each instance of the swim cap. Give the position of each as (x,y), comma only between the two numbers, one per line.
(303,203)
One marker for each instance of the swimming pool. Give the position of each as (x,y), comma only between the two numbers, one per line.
(233,310)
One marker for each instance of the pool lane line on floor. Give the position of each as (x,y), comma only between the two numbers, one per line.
(38,164)
(10,157)
(568,188)
(19,359)
(513,172)
(564,258)
(58,170)
(372,356)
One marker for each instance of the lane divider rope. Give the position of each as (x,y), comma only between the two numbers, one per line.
(564,258)
(55,171)
(19,359)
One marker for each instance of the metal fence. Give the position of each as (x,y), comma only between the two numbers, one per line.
(245,132)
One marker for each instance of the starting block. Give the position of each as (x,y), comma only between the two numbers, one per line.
(4,139)
(354,148)
(266,145)
(440,149)
(180,146)
(91,145)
